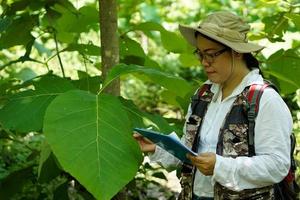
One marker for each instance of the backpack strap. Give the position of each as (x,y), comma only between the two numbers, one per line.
(199,109)
(196,97)
(254,95)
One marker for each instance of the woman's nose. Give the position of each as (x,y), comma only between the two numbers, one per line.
(205,63)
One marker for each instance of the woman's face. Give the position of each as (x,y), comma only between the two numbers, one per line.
(217,63)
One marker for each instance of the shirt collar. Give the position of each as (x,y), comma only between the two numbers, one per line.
(253,77)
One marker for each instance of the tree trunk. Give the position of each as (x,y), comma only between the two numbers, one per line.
(109,41)
(110,51)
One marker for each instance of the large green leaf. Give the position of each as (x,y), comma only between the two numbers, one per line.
(25,111)
(284,65)
(91,137)
(173,83)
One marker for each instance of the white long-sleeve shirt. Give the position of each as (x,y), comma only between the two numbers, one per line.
(272,143)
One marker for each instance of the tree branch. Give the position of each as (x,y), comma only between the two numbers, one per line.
(58,55)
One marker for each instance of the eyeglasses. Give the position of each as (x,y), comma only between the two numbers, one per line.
(209,57)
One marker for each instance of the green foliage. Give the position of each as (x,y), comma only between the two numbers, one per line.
(284,65)
(24,112)
(172,83)
(167,37)
(147,184)
(61,137)
(9,186)
(20,27)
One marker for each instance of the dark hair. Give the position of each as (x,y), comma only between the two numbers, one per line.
(251,61)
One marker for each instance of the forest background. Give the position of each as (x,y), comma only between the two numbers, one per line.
(66,118)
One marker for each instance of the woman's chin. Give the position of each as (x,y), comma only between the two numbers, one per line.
(214,80)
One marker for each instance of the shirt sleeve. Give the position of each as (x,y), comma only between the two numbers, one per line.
(272,145)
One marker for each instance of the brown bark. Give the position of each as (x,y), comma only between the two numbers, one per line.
(109,41)
(110,51)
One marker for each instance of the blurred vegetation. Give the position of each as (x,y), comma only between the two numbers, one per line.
(48,47)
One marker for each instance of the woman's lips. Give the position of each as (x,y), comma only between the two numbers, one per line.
(210,72)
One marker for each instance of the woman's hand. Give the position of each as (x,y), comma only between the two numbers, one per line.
(205,162)
(145,144)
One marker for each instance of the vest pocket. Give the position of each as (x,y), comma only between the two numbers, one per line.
(235,141)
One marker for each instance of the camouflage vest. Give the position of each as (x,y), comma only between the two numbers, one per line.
(232,142)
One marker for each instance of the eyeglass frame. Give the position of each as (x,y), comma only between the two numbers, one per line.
(209,57)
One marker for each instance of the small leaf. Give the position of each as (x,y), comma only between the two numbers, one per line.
(85,49)
(167,37)
(130,47)
(75,21)
(275,26)
(149,26)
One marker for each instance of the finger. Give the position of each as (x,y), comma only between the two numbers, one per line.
(200,162)
(138,137)
(136,134)
(194,160)
(189,156)
(207,154)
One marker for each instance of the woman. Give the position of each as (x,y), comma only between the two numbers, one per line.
(223,169)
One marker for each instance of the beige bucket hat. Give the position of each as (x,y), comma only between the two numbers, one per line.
(224,27)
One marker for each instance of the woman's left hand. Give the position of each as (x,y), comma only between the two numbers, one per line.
(205,162)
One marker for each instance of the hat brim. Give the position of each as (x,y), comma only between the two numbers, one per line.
(189,34)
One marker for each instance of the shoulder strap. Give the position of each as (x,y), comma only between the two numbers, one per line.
(196,97)
(254,95)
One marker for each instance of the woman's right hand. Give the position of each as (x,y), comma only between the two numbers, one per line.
(145,144)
